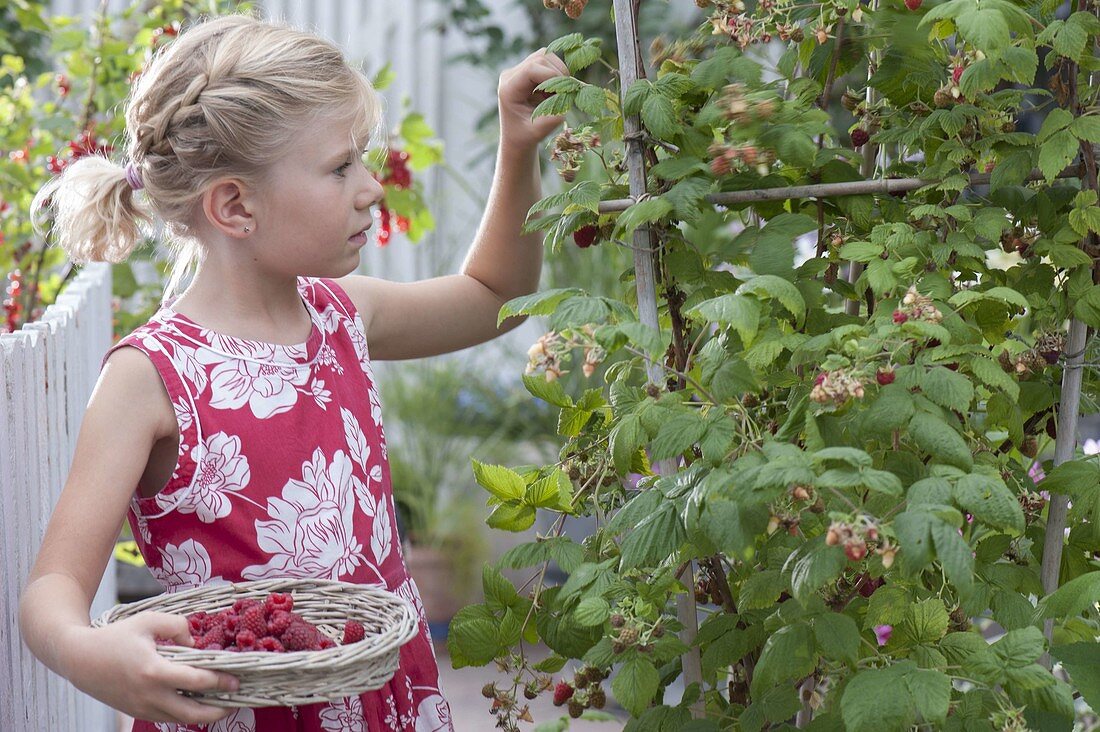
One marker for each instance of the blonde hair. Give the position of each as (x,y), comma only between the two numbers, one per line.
(225,98)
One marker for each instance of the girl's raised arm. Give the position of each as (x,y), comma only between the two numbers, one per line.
(128,412)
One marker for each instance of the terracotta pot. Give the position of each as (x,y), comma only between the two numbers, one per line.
(431,570)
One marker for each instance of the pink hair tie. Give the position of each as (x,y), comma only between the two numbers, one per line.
(133,176)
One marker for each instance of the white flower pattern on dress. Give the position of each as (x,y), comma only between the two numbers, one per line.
(311,533)
(267,388)
(184,566)
(321,395)
(345,715)
(220,469)
(433,714)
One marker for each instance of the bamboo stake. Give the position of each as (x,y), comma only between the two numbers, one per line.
(848,188)
(645,280)
(1069,405)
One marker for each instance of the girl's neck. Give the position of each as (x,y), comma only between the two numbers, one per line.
(248,308)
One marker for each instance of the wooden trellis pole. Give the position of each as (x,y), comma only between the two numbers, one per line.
(626,32)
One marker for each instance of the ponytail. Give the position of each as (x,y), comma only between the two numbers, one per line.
(97,214)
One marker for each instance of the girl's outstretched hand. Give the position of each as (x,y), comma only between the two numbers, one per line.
(119,665)
(517,98)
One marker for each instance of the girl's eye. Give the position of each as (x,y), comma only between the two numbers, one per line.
(342,169)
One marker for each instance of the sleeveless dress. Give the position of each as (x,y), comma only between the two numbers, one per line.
(282,471)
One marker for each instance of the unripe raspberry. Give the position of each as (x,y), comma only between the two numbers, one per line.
(628,636)
(576,709)
(855,550)
(832,537)
(489,690)
(597,698)
(530,691)
(617,620)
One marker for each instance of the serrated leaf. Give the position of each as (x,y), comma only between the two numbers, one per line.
(991,374)
(988,499)
(1072,598)
(537,303)
(947,388)
(635,685)
(1082,660)
(738,311)
(653,539)
(788,654)
(1056,153)
(644,212)
(940,440)
(502,482)
(659,116)
(813,565)
(512,517)
(777,288)
(837,637)
(591,611)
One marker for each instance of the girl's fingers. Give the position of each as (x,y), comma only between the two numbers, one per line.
(170,627)
(189,678)
(192,712)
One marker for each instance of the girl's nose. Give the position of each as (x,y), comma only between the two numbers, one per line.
(371,192)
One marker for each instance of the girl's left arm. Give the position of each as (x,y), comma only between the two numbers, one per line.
(444,314)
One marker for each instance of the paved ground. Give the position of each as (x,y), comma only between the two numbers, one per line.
(470,710)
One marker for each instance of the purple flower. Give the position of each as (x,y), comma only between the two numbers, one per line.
(882,634)
(1036,471)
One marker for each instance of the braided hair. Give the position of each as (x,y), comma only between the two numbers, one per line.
(222,100)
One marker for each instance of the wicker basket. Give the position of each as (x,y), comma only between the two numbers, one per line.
(298,677)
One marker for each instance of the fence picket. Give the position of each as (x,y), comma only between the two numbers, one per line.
(47,371)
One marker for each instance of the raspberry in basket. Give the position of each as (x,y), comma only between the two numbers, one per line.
(246,641)
(353,632)
(279,622)
(301,637)
(244,603)
(271,645)
(278,601)
(253,620)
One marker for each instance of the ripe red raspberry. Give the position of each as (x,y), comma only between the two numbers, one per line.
(885,376)
(860,137)
(562,693)
(278,601)
(326,643)
(279,622)
(956,74)
(585,236)
(213,636)
(231,622)
(300,637)
(271,645)
(246,641)
(243,604)
(253,620)
(900,317)
(913,4)
(196,623)
(353,632)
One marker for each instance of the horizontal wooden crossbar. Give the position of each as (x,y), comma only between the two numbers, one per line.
(824,190)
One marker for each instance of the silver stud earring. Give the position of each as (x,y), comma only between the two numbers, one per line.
(246,229)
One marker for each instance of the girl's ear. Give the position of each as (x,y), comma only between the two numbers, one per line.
(228,207)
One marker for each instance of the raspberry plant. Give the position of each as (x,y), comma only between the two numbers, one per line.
(838,480)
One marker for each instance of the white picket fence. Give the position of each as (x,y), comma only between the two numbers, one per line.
(47,371)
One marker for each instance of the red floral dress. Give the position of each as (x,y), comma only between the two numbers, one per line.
(282,472)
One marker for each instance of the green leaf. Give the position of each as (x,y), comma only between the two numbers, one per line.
(1056,153)
(940,440)
(991,374)
(1087,307)
(1086,128)
(837,637)
(954,553)
(644,212)
(984,26)
(592,611)
(738,311)
(654,538)
(1073,478)
(777,288)
(537,303)
(512,517)
(931,693)
(635,685)
(503,483)
(872,701)
(787,654)
(924,622)
(548,391)
(1072,598)
(1082,660)
(578,59)
(659,116)
(676,434)
(813,565)
(475,641)
(626,437)
(947,388)
(1071,39)
(989,500)
(1018,648)
(1010,170)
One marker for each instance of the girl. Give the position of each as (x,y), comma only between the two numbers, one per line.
(239,430)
